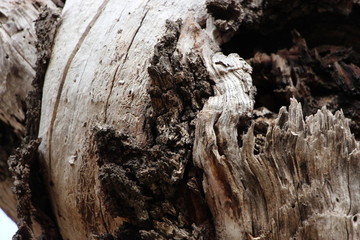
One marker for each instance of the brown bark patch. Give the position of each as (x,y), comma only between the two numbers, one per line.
(33,204)
(20,168)
(45,25)
(153,187)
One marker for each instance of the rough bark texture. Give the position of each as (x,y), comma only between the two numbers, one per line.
(20,63)
(151,181)
(153,126)
(298,72)
(128,162)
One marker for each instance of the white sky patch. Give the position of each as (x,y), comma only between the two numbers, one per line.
(7,227)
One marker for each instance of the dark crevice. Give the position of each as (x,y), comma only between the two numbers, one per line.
(242,127)
(248,42)
(314,58)
(59,3)
(318,29)
(40,200)
(228,13)
(9,141)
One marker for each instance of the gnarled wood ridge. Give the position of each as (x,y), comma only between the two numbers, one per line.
(181,119)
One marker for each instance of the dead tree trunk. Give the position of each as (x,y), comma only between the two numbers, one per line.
(149,123)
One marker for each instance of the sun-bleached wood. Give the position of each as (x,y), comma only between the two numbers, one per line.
(97,77)
(93,81)
(18,57)
(216,140)
(303,183)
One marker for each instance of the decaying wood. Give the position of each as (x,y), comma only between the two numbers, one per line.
(35,217)
(18,68)
(19,165)
(7,199)
(299,186)
(149,131)
(216,140)
(111,92)
(293,160)
(323,76)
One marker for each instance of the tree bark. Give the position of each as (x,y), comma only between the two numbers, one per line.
(142,121)
(18,67)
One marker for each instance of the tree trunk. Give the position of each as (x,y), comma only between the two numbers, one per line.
(144,121)
(18,69)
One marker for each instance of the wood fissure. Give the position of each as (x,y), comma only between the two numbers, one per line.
(233,101)
(45,26)
(120,67)
(64,75)
(20,65)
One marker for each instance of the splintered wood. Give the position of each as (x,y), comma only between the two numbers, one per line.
(148,128)
(303,184)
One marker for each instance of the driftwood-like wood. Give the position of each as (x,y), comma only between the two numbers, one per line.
(153,126)
(18,57)
(112,44)
(301,185)
(216,141)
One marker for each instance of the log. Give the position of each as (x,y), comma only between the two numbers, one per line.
(80,109)
(167,120)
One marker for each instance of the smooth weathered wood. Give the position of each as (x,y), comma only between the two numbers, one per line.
(18,58)
(7,199)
